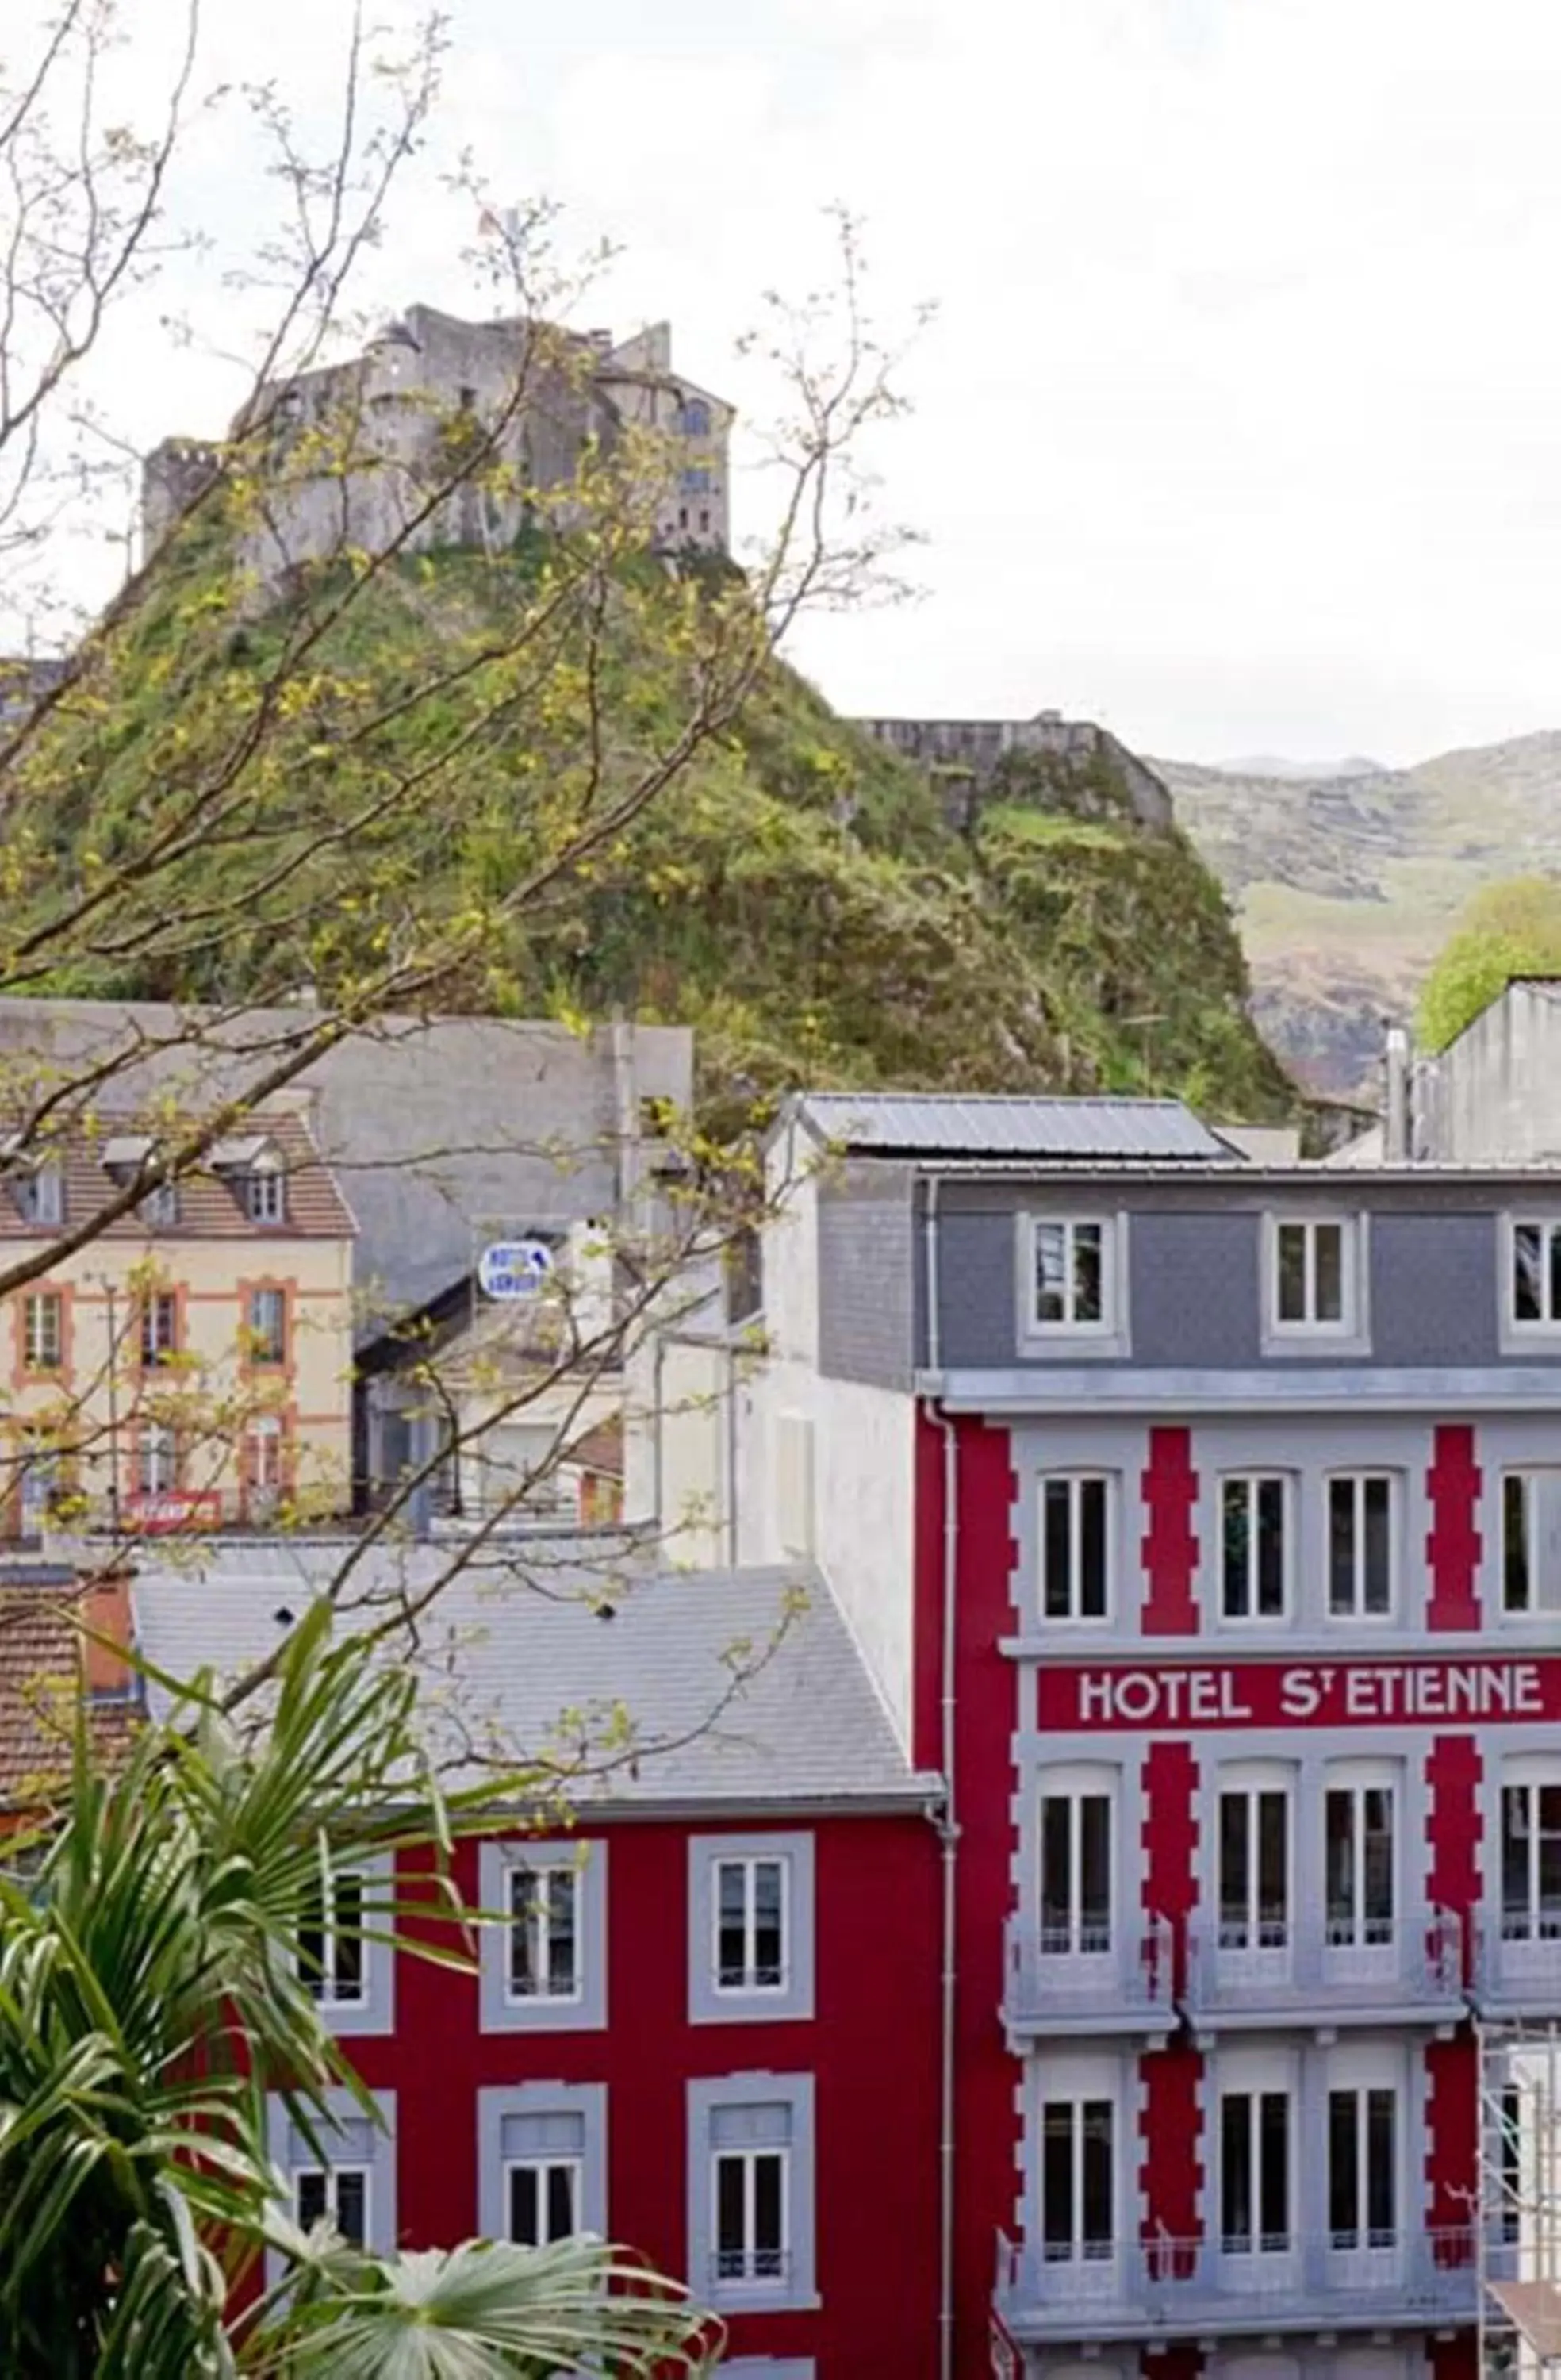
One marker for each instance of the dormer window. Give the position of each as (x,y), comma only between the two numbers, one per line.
(40,1193)
(251,1165)
(158,1210)
(265,1194)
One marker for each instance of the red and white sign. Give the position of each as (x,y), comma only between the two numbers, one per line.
(161,1512)
(1295,1693)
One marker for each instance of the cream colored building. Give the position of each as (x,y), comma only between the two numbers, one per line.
(191,1365)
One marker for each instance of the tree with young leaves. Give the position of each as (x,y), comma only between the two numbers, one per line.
(308,787)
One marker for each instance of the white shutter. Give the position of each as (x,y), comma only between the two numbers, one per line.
(559,2134)
(764,2125)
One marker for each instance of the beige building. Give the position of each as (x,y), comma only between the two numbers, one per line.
(192,1364)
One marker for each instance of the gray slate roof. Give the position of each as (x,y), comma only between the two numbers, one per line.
(501,1661)
(441,1130)
(915,1123)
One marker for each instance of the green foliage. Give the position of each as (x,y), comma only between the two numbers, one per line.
(151,1997)
(1508,929)
(794,890)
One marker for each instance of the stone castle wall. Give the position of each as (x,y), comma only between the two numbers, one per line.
(968,753)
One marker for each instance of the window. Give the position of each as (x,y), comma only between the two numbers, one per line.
(1075,1873)
(1510,2161)
(1073,1559)
(1536,1273)
(264,1463)
(1531,1541)
(1358,1856)
(542,1957)
(40,1193)
(750,1925)
(750,1921)
(750,2177)
(43,1326)
(697,481)
(159,1327)
(543,1940)
(1253,1548)
(265,1194)
(1078,2184)
(541,2162)
(1254,2173)
(44,1484)
(157,1458)
(333,1957)
(267,1325)
(694,418)
(335,2193)
(1363,2168)
(346,2173)
(1361,1545)
(1071,1286)
(543,2198)
(158,1210)
(750,2198)
(1313,1289)
(1531,1863)
(1254,1831)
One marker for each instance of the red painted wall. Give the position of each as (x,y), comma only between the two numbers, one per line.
(986,2175)
(1171,1542)
(872,2048)
(1452,1545)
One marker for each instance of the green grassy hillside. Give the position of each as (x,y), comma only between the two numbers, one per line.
(795,894)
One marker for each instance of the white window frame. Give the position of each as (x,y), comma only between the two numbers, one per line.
(159,1209)
(290,2156)
(155,1347)
(1074,1786)
(36,1341)
(749,1978)
(265,1193)
(1251,1481)
(1357,1614)
(1247,1781)
(538,1889)
(1536,1605)
(1358,1778)
(1347,2081)
(796,2287)
(709,2000)
(157,1458)
(1348,1334)
(1524,1330)
(42,1188)
(587,2102)
(331,2176)
(262,1358)
(1529,1773)
(371,2011)
(1258,2246)
(748,2276)
(1105,1336)
(543,2168)
(1075,1482)
(1081,2085)
(585,2008)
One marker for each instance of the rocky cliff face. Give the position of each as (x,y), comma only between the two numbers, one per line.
(1345,887)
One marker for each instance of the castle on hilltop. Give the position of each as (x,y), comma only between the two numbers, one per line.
(970,757)
(356,450)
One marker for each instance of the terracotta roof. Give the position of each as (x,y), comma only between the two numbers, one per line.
(211,1199)
(39,1683)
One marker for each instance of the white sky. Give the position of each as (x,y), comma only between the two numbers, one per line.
(1240,425)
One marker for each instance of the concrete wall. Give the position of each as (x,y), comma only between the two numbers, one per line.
(1494,1096)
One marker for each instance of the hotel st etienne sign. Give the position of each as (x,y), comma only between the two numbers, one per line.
(1295,1693)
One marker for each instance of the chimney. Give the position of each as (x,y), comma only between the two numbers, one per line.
(104,1611)
(1396,1106)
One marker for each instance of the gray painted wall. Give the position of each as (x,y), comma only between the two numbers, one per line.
(866,1283)
(1435,1287)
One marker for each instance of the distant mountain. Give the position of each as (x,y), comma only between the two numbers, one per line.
(1313,773)
(1345,883)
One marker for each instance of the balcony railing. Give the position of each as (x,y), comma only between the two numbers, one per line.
(1255,1975)
(1518,1964)
(1088,1978)
(1123,2289)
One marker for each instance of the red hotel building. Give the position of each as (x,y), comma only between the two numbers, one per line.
(1202,1520)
